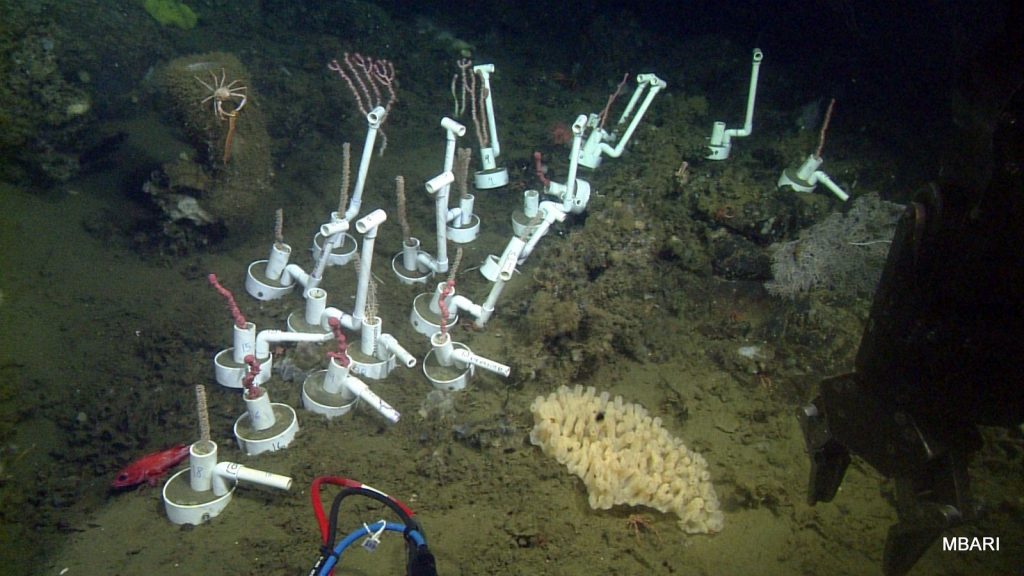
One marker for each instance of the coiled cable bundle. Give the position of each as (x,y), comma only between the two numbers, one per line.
(419,561)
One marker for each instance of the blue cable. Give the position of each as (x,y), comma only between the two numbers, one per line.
(366,530)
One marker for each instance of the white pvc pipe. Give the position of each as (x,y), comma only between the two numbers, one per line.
(574,160)
(346,319)
(454,216)
(453,130)
(531,200)
(266,337)
(373,121)
(261,413)
(507,264)
(389,343)
(316,303)
(808,168)
(369,335)
(330,242)
(456,129)
(654,85)
(227,474)
(410,250)
(487,308)
(460,302)
(243,341)
(467,357)
(488,161)
(294,273)
(552,212)
(368,224)
(748,122)
(360,389)
(201,465)
(721,139)
(336,379)
(443,347)
(466,205)
(429,263)
(368,227)
(436,298)
(333,227)
(820,176)
(278,259)
(439,187)
(485,71)
(447,355)
(439,183)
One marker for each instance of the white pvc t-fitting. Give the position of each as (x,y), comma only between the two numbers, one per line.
(371,221)
(453,127)
(439,182)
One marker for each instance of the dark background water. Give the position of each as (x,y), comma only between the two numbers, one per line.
(105,322)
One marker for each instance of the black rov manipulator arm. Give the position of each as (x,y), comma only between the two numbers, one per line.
(940,354)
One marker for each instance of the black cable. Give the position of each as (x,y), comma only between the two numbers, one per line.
(414,552)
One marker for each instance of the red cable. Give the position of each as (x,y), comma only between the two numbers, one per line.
(318,507)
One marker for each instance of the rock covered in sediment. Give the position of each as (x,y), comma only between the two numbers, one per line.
(232,154)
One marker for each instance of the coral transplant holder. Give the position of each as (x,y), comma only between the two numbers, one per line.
(534,220)
(720,143)
(274,277)
(267,426)
(448,365)
(451,365)
(330,393)
(805,178)
(598,141)
(414,265)
(490,175)
(203,490)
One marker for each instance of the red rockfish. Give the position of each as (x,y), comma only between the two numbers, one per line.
(151,467)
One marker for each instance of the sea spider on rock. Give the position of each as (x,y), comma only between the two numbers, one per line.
(221,92)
